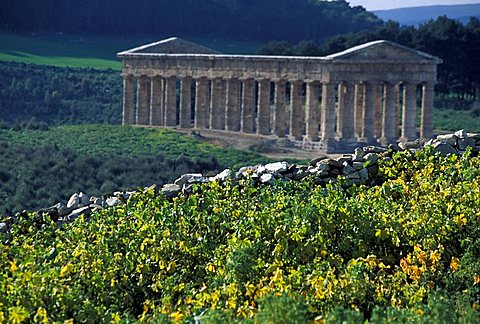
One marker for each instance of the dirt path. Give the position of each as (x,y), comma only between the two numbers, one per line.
(265,145)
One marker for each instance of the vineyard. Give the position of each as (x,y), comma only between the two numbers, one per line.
(406,250)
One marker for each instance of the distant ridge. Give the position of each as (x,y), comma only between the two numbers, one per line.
(418,15)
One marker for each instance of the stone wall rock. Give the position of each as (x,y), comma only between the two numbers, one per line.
(361,167)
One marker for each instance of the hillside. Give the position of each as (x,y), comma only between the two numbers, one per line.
(260,20)
(419,15)
(405,249)
(58,95)
(40,167)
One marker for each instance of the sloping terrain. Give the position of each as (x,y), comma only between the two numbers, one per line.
(405,249)
(418,15)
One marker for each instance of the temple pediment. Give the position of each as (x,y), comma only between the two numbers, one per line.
(384,51)
(172,45)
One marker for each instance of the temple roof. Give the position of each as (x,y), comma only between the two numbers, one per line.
(380,51)
(383,50)
(173,45)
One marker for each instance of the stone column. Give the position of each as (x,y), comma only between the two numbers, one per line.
(388,125)
(263,117)
(358,112)
(296,112)
(248,105)
(143,100)
(340,108)
(156,101)
(378,110)
(397,110)
(128,117)
(426,127)
(348,124)
(279,114)
(171,101)
(328,112)
(311,109)
(201,103)
(368,121)
(217,105)
(409,131)
(185,102)
(232,105)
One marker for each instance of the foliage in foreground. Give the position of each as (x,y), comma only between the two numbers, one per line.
(406,250)
(39,168)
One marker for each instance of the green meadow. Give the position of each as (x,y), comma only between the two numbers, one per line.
(91,52)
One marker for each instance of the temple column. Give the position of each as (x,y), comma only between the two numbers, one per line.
(185,102)
(358,111)
(378,110)
(397,110)
(340,108)
(296,112)
(388,125)
(279,114)
(248,105)
(368,120)
(426,127)
(217,104)
(409,131)
(328,112)
(201,103)
(143,100)
(347,127)
(263,117)
(156,101)
(311,109)
(232,105)
(171,101)
(128,117)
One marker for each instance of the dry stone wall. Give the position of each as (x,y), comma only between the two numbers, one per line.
(361,167)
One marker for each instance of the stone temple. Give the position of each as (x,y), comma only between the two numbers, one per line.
(367,94)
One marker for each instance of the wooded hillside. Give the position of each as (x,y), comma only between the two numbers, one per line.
(261,20)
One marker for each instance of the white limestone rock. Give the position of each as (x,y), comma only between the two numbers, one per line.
(62,209)
(358,155)
(277,167)
(444,148)
(372,158)
(190,178)
(113,201)
(96,201)
(450,139)
(246,171)
(267,178)
(463,143)
(363,174)
(323,166)
(354,175)
(347,169)
(357,165)
(77,213)
(74,201)
(461,133)
(222,176)
(83,199)
(171,190)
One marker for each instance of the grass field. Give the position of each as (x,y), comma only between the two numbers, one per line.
(130,142)
(91,52)
(39,168)
(452,119)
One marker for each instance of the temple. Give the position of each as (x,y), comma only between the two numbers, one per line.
(367,94)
